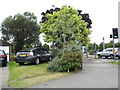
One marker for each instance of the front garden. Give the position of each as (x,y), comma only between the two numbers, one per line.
(29,75)
(67,30)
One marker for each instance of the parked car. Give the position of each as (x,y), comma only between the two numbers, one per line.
(3,58)
(109,52)
(32,55)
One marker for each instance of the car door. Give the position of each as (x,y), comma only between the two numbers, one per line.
(47,55)
(108,52)
(42,55)
(37,53)
(104,52)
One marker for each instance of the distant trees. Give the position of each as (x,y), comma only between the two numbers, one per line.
(21,30)
(108,45)
(91,46)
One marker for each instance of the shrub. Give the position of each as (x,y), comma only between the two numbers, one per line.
(68,59)
(12,58)
(91,52)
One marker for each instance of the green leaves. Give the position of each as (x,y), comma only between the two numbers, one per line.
(69,25)
(21,30)
(68,59)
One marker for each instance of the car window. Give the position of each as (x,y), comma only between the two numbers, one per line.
(104,50)
(41,52)
(109,50)
(45,52)
(36,51)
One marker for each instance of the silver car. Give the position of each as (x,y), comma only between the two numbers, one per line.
(109,52)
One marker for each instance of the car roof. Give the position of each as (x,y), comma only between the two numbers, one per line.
(110,48)
(29,49)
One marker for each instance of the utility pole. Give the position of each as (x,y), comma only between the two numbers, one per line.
(115,36)
(103,44)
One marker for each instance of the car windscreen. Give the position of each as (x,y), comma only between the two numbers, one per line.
(1,53)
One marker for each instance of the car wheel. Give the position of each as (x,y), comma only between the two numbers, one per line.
(99,56)
(3,65)
(112,56)
(21,63)
(37,61)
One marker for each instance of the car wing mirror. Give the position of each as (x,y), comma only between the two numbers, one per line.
(7,54)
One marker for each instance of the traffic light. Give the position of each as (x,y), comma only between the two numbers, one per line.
(110,35)
(115,33)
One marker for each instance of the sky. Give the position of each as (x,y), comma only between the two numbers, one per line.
(103,13)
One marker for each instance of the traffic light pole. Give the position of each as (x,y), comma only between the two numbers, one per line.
(113,48)
(115,36)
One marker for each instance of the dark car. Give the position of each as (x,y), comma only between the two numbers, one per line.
(3,58)
(32,55)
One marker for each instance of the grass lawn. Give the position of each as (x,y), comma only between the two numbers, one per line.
(115,62)
(24,76)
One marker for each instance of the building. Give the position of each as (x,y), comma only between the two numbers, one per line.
(7,47)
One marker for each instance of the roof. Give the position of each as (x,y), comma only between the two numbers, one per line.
(4,43)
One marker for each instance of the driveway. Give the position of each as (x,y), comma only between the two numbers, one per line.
(4,77)
(96,73)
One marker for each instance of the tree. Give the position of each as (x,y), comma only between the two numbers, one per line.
(46,47)
(108,45)
(85,16)
(101,46)
(92,47)
(21,30)
(117,44)
(65,26)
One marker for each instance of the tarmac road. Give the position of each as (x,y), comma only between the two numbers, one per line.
(96,73)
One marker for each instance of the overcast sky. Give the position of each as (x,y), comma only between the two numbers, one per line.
(103,13)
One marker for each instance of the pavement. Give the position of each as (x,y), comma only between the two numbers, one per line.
(4,77)
(96,73)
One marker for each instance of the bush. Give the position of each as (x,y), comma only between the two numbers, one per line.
(91,52)
(66,60)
